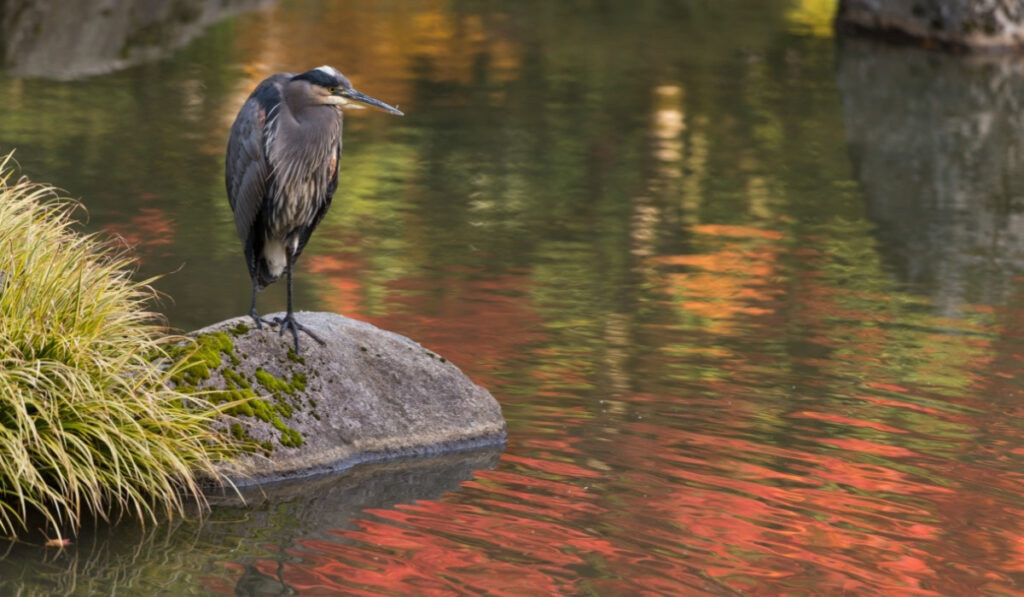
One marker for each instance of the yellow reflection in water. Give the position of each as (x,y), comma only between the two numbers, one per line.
(812,17)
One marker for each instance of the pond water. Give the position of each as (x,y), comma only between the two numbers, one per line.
(750,297)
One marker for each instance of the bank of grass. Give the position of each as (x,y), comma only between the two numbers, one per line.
(88,424)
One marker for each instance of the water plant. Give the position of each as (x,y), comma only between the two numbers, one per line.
(89,424)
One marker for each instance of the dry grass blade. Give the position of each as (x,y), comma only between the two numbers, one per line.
(87,420)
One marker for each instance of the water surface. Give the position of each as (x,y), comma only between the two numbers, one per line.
(749,297)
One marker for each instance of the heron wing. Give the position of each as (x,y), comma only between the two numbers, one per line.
(247,170)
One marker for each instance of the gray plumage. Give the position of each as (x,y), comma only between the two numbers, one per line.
(282,171)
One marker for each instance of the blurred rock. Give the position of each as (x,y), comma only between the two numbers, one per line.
(971,24)
(937,143)
(66,40)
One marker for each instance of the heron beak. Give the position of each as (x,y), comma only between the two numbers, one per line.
(354,99)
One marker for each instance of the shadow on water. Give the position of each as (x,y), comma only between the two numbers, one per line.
(937,143)
(249,540)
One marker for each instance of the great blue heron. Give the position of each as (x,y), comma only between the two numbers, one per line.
(282,171)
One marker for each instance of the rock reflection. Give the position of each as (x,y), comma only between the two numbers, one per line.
(247,543)
(67,40)
(937,143)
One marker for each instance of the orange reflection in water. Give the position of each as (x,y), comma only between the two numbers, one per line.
(149,228)
(733,395)
(475,322)
(732,281)
(693,516)
(865,481)
(804,429)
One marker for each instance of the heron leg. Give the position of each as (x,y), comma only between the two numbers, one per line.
(289,319)
(252,309)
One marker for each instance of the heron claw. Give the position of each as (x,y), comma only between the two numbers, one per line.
(288,321)
(259,320)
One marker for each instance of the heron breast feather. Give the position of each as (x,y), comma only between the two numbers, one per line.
(275,257)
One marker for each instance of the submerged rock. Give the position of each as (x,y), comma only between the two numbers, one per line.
(366,394)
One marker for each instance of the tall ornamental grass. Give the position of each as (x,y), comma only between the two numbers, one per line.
(88,424)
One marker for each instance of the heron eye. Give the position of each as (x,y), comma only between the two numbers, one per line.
(332,89)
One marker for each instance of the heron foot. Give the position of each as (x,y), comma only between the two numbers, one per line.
(289,322)
(259,321)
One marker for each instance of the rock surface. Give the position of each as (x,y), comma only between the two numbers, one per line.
(366,395)
(967,24)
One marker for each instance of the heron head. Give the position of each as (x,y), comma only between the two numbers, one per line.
(328,86)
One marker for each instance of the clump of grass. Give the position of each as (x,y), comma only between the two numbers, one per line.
(88,420)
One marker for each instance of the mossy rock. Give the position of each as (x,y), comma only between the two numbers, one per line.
(366,394)
(212,367)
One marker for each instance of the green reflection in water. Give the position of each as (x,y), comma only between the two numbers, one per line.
(639,225)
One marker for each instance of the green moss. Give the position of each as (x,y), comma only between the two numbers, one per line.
(295,358)
(249,443)
(280,388)
(271,412)
(206,354)
(292,438)
(236,390)
(238,432)
(234,377)
(264,411)
(239,329)
(197,359)
(275,385)
(281,408)
(244,408)
(289,436)
(212,345)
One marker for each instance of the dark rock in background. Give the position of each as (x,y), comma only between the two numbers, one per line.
(966,24)
(65,40)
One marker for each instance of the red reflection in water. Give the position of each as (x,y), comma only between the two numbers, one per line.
(474,322)
(702,512)
(862,481)
(338,271)
(147,229)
